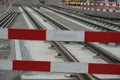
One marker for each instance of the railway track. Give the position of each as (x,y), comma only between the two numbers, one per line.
(105,54)
(102,25)
(8,19)
(6,22)
(104,20)
(60,47)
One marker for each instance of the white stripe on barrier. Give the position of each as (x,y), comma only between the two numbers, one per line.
(65,35)
(85,3)
(6,65)
(104,10)
(92,9)
(98,9)
(84,8)
(69,67)
(88,8)
(3,33)
(110,10)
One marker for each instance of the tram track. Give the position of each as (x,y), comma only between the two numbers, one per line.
(94,48)
(104,53)
(101,19)
(60,47)
(87,76)
(62,50)
(10,20)
(6,21)
(104,25)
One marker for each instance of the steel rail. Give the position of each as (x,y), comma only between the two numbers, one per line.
(77,18)
(102,52)
(9,21)
(61,49)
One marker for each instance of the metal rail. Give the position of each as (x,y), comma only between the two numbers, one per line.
(5,16)
(6,21)
(61,49)
(105,25)
(10,20)
(103,53)
(84,15)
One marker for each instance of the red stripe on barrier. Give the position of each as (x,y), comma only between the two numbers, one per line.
(110,4)
(95,4)
(114,11)
(104,69)
(27,34)
(117,4)
(95,9)
(101,10)
(107,10)
(102,37)
(98,4)
(104,4)
(31,66)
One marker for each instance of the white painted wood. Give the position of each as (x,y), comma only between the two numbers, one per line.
(65,36)
(5,65)
(69,67)
(3,33)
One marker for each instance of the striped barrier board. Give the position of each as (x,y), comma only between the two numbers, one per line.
(44,35)
(65,67)
(84,4)
(95,9)
(110,4)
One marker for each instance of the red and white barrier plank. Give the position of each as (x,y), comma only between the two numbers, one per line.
(66,67)
(79,36)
